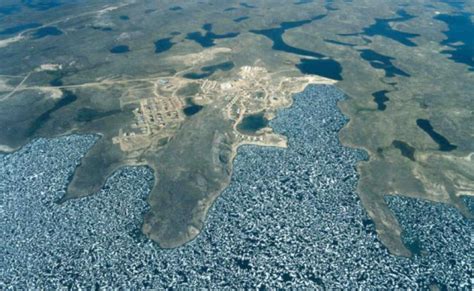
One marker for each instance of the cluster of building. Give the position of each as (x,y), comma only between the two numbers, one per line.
(154,116)
(157,113)
(289,218)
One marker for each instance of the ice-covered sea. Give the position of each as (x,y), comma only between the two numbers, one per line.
(288,218)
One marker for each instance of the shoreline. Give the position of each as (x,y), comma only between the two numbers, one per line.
(295,201)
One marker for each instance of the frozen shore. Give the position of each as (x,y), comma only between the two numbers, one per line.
(290,217)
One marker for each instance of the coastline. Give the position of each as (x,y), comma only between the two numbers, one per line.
(289,218)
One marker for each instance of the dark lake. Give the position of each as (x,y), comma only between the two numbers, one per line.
(252,123)
(339,43)
(405,149)
(101,28)
(207,39)
(240,19)
(383,62)
(382,27)
(380,97)
(192,109)
(120,49)
(318,65)
(443,143)
(276,36)
(47,31)
(460,38)
(328,68)
(209,70)
(164,44)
